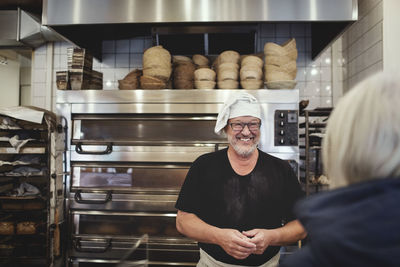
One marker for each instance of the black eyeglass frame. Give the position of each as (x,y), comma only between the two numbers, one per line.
(243,124)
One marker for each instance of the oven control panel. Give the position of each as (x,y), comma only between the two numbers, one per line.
(286,128)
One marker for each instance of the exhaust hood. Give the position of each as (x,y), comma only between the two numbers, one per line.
(87,22)
(20,29)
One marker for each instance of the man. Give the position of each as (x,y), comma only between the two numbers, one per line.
(233,201)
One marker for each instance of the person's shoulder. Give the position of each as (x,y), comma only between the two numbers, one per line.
(268,157)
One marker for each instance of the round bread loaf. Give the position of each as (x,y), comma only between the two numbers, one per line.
(228,84)
(250,72)
(252,61)
(251,84)
(179,59)
(204,74)
(200,60)
(204,84)
(229,56)
(227,74)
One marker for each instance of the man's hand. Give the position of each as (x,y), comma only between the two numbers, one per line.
(235,243)
(261,238)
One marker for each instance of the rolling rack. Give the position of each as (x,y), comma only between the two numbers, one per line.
(312,131)
(31,189)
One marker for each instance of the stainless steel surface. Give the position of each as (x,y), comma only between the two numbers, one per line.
(61,12)
(144,153)
(20,29)
(168,96)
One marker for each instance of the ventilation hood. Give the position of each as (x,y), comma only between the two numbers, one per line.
(87,22)
(20,29)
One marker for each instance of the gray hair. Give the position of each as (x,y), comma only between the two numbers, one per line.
(362,139)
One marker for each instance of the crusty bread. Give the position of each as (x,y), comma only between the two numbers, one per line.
(228,84)
(204,74)
(200,60)
(204,84)
(251,84)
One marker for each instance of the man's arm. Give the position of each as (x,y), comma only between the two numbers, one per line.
(232,241)
(287,234)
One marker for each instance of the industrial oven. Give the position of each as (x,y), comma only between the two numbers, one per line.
(128,155)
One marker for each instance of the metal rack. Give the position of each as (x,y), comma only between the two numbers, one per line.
(31,223)
(310,148)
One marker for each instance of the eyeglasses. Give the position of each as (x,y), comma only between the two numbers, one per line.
(239,126)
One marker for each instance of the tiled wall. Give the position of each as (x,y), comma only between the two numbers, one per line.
(360,49)
(314,78)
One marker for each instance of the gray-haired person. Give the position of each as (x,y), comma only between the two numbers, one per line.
(357,223)
(233,201)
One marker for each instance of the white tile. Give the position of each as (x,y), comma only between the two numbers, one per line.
(64,47)
(376,15)
(39,61)
(136,45)
(135,61)
(326,58)
(315,63)
(351,69)
(122,60)
(63,61)
(39,101)
(313,74)
(39,76)
(374,54)
(298,29)
(301,60)
(96,63)
(301,44)
(283,30)
(108,46)
(41,50)
(120,73)
(108,75)
(312,89)
(326,102)
(268,30)
(56,61)
(148,42)
(314,102)
(122,46)
(301,86)
(326,74)
(108,61)
(374,35)
(57,48)
(38,89)
(301,74)
(109,86)
(326,89)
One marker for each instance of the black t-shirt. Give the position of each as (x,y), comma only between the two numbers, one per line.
(220,197)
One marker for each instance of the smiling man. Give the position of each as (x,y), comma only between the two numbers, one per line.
(238,202)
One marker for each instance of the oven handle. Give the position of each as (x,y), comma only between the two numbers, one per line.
(78,198)
(78,246)
(79,150)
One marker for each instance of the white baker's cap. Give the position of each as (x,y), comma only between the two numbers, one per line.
(238,104)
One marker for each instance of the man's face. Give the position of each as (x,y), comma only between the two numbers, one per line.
(243,134)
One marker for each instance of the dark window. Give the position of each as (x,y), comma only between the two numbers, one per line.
(183,44)
(243,43)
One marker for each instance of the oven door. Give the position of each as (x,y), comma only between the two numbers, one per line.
(126,173)
(108,237)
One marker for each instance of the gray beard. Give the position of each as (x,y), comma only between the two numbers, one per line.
(242,151)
